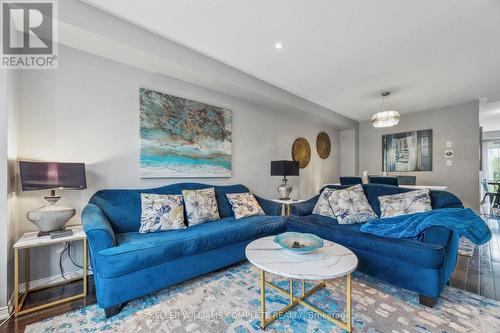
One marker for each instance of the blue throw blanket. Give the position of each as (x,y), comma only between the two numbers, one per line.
(463,221)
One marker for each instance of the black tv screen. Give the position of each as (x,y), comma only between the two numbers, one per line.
(52,175)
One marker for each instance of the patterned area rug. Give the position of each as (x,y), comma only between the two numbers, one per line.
(228,301)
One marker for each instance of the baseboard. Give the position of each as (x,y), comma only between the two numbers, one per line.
(53,279)
(4,313)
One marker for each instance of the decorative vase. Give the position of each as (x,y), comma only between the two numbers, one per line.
(284,190)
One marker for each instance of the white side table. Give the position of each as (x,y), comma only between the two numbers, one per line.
(329,262)
(30,240)
(287,205)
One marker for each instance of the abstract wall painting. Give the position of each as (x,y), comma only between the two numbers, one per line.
(410,151)
(181,138)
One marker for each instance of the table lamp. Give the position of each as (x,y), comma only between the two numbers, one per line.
(284,168)
(51,176)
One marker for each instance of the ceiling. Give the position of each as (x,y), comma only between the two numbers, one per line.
(341,54)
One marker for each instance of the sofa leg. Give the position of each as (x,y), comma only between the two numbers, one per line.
(112,310)
(427,301)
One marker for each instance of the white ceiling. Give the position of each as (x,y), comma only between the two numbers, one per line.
(342,53)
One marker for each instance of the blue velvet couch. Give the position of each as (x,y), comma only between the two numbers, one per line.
(424,265)
(127,264)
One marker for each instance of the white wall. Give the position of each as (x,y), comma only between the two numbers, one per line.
(8,153)
(88,111)
(489,116)
(3,188)
(458,124)
(348,153)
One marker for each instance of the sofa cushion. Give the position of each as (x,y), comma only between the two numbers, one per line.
(408,250)
(350,205)
(418,201)
(136,251)
(123,207)
(439,199)
(201,206)
(323,207)
(161,212)
(244,205)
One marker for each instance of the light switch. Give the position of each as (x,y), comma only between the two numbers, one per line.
(449,162)
(448,144)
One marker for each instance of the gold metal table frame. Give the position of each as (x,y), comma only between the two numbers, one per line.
(264,322)
(19,301)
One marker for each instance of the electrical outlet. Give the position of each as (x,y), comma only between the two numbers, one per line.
(449,162)
(60,249)
(448,144)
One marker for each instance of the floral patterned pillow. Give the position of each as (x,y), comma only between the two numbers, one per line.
(418,201)
(201,206)
(350,205)
(244,204)
(161,212)
(323,207)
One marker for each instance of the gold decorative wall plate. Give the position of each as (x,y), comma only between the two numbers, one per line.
(301,152)
(323,145)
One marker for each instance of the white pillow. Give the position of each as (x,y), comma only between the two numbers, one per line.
(201,206)
(244,204)
(161,212)
(350,205)
(418,201)
(322,207)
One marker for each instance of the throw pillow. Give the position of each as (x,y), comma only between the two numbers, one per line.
(244,204)
(323,207)
(201,206)
(418,201)
(161,212)
(350,205)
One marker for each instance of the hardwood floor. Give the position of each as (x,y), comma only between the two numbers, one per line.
(479,274)
(18,325)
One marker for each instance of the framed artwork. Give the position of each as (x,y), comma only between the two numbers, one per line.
(409,151)
(181,138)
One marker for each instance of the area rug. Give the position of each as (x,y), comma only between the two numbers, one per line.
(228,301)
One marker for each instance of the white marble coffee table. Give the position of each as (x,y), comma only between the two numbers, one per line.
(329,262)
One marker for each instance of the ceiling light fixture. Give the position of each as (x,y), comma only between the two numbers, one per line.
(278,45)
(386,117)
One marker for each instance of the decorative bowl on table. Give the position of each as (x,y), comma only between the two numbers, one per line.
(298,242)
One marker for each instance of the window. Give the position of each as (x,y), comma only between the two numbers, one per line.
(491,164)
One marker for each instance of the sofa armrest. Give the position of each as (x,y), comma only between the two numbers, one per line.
(97,228)
(438,235)
(270,207)
(445,199)
(305,207)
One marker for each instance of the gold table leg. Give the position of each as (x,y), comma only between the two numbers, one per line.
(16,282)
(18,302)
(301,300)
(348,303)
(263,298)
(84,267)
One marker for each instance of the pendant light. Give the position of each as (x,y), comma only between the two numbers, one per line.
(385,118)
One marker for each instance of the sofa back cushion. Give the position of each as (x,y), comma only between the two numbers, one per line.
(439,199)
(123,207)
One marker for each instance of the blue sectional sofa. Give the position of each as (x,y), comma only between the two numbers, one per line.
(424,265)
(127,264)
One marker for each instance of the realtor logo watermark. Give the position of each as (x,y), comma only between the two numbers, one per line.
(29,34)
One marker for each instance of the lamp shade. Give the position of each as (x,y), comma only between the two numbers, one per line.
(385,119)
(284,168)
(52,175)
